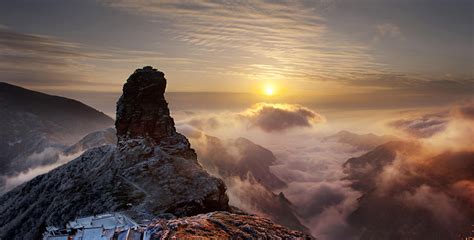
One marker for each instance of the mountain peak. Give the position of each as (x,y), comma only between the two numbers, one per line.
(151,171)
(142,111)
(143,115)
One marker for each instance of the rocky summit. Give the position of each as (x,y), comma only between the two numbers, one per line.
(151,171)
(142,113)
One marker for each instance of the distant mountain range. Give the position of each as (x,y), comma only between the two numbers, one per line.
(36,126)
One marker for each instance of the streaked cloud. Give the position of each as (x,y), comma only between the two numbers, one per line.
(43,61)
(387,30)
(447,126)
(260,39)
(288,41)
(423,127)
(323,49)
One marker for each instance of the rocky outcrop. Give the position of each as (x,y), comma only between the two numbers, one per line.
(222,225)
(152,170)
(142,112)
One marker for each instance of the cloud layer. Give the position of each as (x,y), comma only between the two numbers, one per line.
(49,158)
(268,117)
(279,117)
(454,120)
(424,126)
(407,181)
(418,179)
(310,166)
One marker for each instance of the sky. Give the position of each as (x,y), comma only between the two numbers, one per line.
(328,52)
(402,68)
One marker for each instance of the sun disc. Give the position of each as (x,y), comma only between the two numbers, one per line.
(269,91)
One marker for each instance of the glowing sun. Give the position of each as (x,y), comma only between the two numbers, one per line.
(269,90)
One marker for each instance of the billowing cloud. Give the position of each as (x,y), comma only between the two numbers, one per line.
(245,168)
(313,170)
(442,207)
(324,206)
(41,163)
(268,117)
(407,179)
(422,127)
(418,179)
(449,122)
(310,167)
(279,117)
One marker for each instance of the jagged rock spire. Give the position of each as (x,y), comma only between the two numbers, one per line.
(142,111)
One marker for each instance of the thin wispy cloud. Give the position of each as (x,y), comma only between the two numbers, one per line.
(291,41)
(39,60)
(238,46)
(387,30)
(261,39)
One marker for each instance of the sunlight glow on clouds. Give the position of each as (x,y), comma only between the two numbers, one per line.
(42,61)
(266,40)
(267,117)
(279,117)
(323,48)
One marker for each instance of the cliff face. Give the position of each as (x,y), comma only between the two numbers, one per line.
(152,170)
(142,110)
(142,113)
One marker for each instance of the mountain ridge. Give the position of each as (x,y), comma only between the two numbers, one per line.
(151,171)
(37,126)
